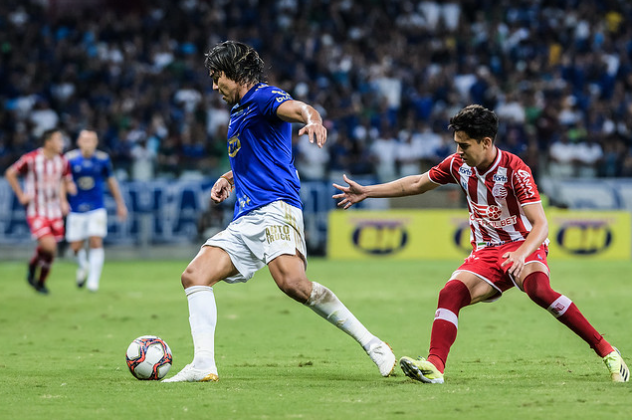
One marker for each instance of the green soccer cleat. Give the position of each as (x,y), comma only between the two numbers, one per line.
(421,370)
(619,371)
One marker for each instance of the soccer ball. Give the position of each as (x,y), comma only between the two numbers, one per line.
(149,358)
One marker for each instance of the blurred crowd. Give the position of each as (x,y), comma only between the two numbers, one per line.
(386,75)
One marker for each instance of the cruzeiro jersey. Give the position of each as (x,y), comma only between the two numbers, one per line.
(260,151)
(89,173)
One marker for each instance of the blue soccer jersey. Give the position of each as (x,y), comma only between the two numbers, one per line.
(89,174)
(260,151)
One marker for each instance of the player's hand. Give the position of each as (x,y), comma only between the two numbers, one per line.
(221,190)
(71,188)
(25,199)
(121,213)
(515,261)
(315,131)
(350,195)
(65,207)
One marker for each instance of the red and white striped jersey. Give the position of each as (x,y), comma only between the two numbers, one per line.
(42,181)
(494,198)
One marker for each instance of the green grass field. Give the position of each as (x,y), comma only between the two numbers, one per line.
(63,356)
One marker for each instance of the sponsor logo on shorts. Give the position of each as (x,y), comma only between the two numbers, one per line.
(278,233)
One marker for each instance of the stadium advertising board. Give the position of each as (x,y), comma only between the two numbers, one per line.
(445,234)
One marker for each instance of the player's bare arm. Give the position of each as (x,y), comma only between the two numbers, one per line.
(409,185)
(12,177)
(121,209)
(297,111)
(223,187)
(63,200)
(539,232)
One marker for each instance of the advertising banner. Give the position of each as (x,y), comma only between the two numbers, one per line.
(445,234)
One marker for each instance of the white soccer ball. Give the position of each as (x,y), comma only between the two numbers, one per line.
(149,358)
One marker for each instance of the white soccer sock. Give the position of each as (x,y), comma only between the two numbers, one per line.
(326,304)
(95,259)
(82,259)
(202,318)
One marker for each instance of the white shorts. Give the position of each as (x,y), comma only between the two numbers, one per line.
(81,226)
(257,238)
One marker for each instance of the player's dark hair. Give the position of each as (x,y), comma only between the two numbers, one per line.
(47,134)
(476,121)
(238,61)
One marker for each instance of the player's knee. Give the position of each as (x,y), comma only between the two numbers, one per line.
(298,288)
(456,294)
(190,278)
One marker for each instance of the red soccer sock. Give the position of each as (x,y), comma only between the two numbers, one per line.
(538,288)
(454,296)
(45,261)
(36,257)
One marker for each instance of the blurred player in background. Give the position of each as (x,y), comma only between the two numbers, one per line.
(90,168)
(508,233)
(47,179)
(267,227)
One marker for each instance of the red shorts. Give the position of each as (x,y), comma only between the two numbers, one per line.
(485,264)
(42,226)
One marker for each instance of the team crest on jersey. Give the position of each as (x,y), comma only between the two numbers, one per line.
(233,146)
(499,191)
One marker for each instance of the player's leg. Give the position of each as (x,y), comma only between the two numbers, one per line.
(76,235)
(288,271)
(96,229)
(536,284)
(96,257)
(211,265)
(463,289)
(47,249)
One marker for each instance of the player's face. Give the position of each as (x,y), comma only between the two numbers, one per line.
(227,87)
(87,142)
(475,153)
(55,144)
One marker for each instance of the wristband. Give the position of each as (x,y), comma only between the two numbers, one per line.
(226,178)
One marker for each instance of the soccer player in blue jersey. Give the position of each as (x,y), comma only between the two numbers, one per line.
(91,169)
(267,228)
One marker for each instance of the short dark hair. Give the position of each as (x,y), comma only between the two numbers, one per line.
(47,134)
(239,62)
(476,121)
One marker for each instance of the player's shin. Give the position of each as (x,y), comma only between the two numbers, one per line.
(202,318)
(326,304)
(537,286)
(95,259)
(454,296)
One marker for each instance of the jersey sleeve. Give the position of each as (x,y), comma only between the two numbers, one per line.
(270,99)
(66,172)
(22,165)
(524,186)
(442,173)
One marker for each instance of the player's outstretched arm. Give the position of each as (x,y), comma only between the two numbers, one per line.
(409,185)
(297,111)
(223,187)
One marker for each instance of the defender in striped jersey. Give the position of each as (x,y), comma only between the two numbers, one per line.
(508,235)
(47,178)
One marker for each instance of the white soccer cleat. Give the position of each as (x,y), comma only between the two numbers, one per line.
(81,276)
(383,356)
(191,374)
